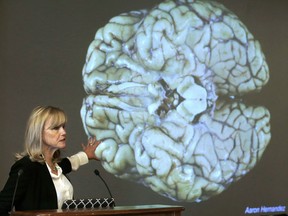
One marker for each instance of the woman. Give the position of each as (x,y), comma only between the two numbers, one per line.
(39,171)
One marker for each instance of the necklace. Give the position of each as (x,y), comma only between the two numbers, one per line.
(53,167)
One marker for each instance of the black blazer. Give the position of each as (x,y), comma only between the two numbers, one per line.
(35,190)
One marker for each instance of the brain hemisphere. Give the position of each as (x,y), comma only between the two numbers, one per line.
(157,81)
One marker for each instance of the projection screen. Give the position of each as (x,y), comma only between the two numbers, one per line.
(188,97)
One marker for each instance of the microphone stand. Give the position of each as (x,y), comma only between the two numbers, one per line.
(96,171)
(16,186)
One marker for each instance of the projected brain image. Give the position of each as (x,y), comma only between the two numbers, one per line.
(166,92)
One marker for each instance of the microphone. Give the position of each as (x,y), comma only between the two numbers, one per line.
(96,171)
(15,189)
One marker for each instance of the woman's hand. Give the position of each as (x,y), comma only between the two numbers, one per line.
(90,148)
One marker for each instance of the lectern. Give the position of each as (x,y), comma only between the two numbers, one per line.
(143,210)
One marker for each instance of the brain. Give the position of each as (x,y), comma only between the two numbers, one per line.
(165,94)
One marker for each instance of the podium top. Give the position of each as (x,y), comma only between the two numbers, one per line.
(156,210)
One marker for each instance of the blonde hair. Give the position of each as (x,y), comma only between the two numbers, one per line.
(34,130)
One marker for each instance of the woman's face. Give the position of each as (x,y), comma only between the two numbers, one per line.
(54,136)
